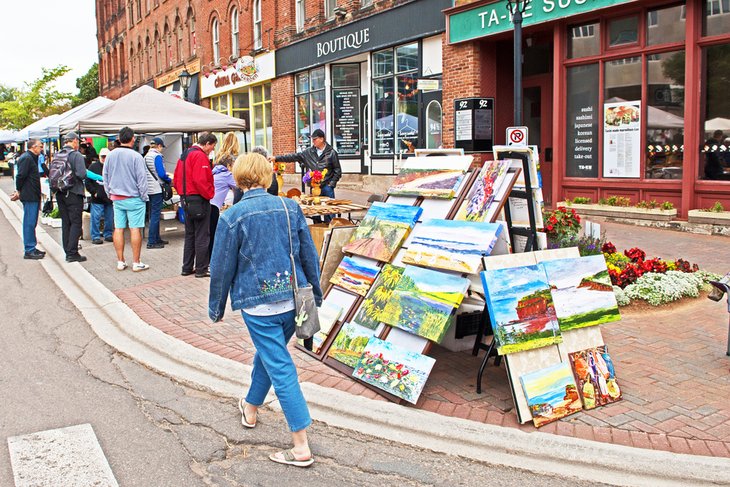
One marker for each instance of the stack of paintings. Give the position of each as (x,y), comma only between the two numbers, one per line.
(551,393)
(355,274)
(430,177)
(452,245)
(369,313)
(383,230)
(595,377)
(491,177)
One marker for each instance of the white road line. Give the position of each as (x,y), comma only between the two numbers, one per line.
(68,457)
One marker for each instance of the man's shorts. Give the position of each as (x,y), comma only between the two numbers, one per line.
(129,213)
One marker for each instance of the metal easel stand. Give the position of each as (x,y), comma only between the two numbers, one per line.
(530,232)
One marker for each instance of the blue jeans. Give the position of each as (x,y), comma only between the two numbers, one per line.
(30,220)
(273,364)
(99,211)
(155,210)
(327,190)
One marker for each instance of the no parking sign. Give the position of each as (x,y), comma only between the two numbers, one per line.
(517,136)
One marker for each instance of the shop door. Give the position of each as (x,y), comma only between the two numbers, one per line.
(430,121)
(537,114)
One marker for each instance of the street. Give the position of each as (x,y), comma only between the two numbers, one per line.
(155,432)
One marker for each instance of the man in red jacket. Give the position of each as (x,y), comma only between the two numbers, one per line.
(193,181)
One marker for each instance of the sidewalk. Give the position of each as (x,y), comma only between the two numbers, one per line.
(674,377)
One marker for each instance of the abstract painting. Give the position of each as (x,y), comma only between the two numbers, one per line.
(582,291)
(423,302)
(595,377)
(369,313)
(329,313)
(521,307)
(350,343)
(451,245)
(382,231)
(551,393)
(355,274)
(491,177)
(430,177)
(393,369)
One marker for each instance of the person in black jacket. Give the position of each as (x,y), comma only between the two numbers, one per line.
(319,157)
(71,202)
(28,184)
(101,205)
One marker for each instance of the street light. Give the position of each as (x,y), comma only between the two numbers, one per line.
(185,79)
(517,8)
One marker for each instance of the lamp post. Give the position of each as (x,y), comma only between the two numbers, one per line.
(516,9)
(185,79)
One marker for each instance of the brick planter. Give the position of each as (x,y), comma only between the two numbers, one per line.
(721,218)
(629,212)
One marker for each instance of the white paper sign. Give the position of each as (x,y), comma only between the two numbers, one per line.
(622,139)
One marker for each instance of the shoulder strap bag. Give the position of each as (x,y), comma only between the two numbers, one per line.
(192,204)
(307,316)
(164,185)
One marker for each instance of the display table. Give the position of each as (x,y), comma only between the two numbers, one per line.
(328,206)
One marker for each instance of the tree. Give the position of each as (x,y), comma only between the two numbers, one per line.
(88,85)
(36,100)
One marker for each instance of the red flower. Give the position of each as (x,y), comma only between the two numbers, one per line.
(553,220)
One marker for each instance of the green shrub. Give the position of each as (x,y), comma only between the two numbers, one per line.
(667,205)
(650,205)
(581,200)
(716,208)
(618,201)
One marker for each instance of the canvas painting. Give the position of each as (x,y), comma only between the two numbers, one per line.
(595,377)
(491,177)
(393,369)
(582,291)
(451,245)
(329,313)
(423,302)
(355,274)
(350,343)
(430,177)
(368,315)
(551,393)
(332,256)
(521,307)
(383,230)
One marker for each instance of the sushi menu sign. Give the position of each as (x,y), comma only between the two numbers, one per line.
(621,139)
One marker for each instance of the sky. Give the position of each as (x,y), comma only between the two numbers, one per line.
(45,33)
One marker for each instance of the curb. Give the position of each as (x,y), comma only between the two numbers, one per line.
(117,325)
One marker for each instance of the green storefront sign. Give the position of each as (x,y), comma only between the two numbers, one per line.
(495,18)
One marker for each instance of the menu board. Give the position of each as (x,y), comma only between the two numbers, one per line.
(346,121)
(464,126)
(621,139)
(582,127)
(474,124)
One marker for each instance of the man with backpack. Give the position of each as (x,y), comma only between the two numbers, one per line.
(67,173)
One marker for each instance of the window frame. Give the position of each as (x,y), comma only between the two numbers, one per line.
(329,9)
(308,92)
(215,38)
(235,47)
(257,25)
(300,14)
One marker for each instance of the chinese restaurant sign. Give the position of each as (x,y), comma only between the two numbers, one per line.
(494,18)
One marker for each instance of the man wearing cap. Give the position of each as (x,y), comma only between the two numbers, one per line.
(319,157)
(28,184)
(155,175)
(101,205)
(71,202)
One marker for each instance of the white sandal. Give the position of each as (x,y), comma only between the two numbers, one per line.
(244,421)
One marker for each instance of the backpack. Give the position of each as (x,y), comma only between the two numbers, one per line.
(60,173)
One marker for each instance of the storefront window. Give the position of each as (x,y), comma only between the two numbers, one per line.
(623,31)
(584,40)
(715,153)
(310,105)
(241,104)
(583,114)
(716,20)
(346,108)
(623,80)
(665,115)
(262,116)
(665,25)
(433,125)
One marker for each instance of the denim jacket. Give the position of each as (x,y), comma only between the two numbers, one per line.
(251,254)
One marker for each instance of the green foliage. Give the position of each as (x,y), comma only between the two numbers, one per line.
(667,205)
(36,100)
(581,200)
(88,86)
(650,205)
(716,208)
(622,201)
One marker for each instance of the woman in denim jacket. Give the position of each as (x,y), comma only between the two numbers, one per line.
(251,262)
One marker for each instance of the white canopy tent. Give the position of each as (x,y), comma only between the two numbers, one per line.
(717,123)
(147,111)
(24,134)
(50,129)
(8,136)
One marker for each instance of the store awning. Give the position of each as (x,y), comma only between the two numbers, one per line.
(147,110)
(51,128)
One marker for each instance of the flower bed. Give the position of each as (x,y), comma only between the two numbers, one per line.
(715,215)
(618,207)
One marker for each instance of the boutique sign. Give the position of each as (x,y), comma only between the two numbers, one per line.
(353,40)
(493,18)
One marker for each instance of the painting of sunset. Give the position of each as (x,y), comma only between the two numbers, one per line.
(551,393)
(383,230)
(355,274)
(430,177)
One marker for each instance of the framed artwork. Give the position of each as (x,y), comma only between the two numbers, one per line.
(551,393)
(355,274)
(382,231)
(490,179)
(430,177)
(595,377)
(393,369)
(451,245)
(329,313)
(350,343)
(423,302)
(582,292)
(408,341)
(332,255)
(368,314)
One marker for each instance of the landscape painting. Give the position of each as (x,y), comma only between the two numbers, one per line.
(423,302)
(350,343)
(582,291)
(452,245)
(383,230)
(521,307)
(551,394)
(393,369)
(595,377)
(491,177)
(355,274)
(430,177)
(371,308)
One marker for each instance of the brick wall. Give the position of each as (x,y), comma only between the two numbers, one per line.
(112,47)
(462,78)
(282,115)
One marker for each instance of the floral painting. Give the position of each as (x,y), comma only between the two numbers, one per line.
(551,393)
(393,369)
(491,177)
(423,302)
(582,291)
(451,245)
(350,343)
(595,377)
(521,308)
(383,230)
(430,177)
(368,315)
(355,274)
(329,313)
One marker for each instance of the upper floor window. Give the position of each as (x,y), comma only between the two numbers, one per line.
(329,9)
(139,10)
(300,16)
(234,32)
(216,41)
(366,3)
(257,43)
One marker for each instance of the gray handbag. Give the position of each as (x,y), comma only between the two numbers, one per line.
(307,316)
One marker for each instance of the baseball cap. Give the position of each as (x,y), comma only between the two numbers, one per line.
(158,141)
(71,136)
(104,152)
(318,133)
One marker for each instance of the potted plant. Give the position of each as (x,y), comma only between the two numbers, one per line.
(714,215)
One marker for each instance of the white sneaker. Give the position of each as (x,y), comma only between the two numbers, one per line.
(121,265)
(139,266)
